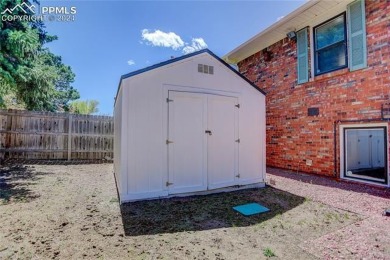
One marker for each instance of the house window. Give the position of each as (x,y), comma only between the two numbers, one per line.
(330,45)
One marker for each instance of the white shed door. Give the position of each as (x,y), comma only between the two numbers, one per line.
(187,153)
(223,143)
(203,129)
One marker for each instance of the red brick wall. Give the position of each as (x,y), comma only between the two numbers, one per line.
(293,137)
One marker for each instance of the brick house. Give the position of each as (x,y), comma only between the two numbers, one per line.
(325,68)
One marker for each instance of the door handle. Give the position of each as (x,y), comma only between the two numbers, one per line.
(208,132)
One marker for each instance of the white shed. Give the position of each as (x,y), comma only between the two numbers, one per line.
(189,125)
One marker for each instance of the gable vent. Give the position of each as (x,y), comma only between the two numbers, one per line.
(202,68)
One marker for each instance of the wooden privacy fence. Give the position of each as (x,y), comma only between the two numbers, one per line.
(46,135)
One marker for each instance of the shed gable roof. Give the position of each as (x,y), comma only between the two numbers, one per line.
(164,63)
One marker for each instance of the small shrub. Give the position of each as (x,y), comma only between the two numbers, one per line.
(267,252)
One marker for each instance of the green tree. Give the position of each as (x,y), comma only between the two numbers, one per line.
(28,70)
(84,106)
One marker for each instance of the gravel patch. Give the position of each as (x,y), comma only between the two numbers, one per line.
(365,239)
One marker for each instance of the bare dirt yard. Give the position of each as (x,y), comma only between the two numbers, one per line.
(72,212)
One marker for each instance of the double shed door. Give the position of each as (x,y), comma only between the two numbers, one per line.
(202,141)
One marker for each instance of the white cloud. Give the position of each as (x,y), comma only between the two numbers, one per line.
(196,45)
(130,62)
(171,40)
(280,18)
(162,39)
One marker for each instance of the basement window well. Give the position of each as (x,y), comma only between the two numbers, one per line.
(365,154)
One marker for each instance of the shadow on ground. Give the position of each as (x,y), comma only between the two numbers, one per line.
(331,182)
(15,183)
(203,212)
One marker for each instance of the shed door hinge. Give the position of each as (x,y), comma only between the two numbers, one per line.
(168,142)
(169,100)
(238,140)
(168,183)
(237,106)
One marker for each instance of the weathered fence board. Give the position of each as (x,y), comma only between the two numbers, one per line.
(45,135)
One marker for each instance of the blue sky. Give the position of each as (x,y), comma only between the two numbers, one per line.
(111,38)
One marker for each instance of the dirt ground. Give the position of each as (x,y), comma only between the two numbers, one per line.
(72,212)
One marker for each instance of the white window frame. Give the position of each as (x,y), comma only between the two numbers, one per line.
(342,137)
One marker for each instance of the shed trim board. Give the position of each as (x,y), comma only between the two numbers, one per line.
(165,195)
(145,106)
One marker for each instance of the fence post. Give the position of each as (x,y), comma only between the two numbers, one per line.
(69,137)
